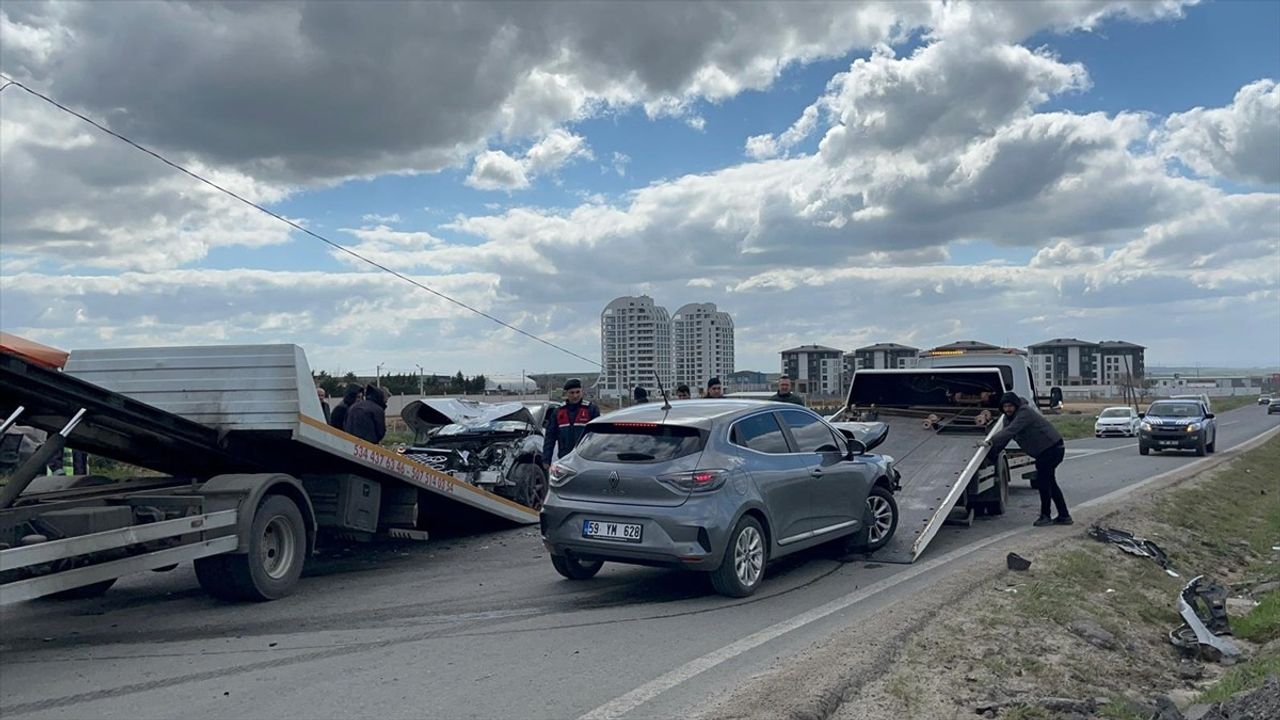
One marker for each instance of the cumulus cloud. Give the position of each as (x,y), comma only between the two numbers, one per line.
(1066,254)
(496,170)
(1239,142)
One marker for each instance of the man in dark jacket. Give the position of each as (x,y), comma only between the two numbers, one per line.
(784,393)
(640,395)
(338,416)
(568,424)
(1040,439)
(367,419)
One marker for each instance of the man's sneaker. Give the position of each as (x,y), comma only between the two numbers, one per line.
(1063,520)
(1042,521)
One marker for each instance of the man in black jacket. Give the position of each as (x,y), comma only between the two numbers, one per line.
(338,416)
(367,419)
(784,393)
(1041,440)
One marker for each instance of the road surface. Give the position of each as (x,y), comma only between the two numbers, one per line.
(479,627)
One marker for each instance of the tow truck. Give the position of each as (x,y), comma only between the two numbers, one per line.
(242,474)
(937,415)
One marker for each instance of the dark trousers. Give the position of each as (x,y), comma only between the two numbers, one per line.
(1047,480)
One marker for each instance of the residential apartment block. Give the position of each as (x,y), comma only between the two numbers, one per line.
(815,369)
(1067,361)
(635,342)
(702,343)
(882,356)
(639,338)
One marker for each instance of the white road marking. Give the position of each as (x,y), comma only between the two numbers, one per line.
(643,694)
(1087,453)
(630,701)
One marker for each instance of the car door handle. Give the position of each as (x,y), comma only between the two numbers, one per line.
(817,472)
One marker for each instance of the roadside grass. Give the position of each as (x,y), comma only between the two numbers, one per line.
(1073,427)
(1223,404)
(1222,526)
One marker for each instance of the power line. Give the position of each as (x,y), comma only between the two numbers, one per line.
(337,246)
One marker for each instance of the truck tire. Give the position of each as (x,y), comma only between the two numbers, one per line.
(1201,448)
(85,591)
(273,564)
(1143,449)
(742,569)
(575,569)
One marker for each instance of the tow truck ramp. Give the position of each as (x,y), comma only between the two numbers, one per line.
(937,421)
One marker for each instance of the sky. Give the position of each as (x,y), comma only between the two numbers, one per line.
(841,174)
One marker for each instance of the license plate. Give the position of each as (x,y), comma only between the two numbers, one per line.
(603,530)
(1168,442)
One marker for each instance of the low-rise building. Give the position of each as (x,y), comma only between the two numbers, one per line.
(814,369)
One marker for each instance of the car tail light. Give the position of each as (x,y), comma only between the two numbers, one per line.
(559,475)
(695,480)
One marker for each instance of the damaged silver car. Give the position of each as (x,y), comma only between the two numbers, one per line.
(494,446)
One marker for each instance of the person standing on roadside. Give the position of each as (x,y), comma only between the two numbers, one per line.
(640,395)
(682,392)
(367,419)
(567,427)
(784,393)
(324,404)
(1040,439)
(338,416)
(714,389)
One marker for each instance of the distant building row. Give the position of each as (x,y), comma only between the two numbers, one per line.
(639,339)
(822,370)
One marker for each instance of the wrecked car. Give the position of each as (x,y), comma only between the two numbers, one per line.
(494,446)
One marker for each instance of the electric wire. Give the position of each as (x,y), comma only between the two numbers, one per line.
(335,245)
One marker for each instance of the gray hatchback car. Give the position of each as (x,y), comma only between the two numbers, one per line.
(720,486)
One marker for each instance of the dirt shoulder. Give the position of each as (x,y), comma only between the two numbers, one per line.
(1083,633)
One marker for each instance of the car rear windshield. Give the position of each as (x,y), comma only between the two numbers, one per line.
(1175,410)
(1115,412)
(638,442)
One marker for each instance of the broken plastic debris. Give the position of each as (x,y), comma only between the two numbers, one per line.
(1017,562)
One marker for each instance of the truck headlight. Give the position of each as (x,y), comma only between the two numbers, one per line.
(1193,427)
(1146,427)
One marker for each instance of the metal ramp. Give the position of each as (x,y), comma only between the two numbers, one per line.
(936,467)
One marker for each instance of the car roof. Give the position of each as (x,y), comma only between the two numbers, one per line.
(699,413)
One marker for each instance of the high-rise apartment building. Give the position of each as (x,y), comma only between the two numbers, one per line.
(635,342)
(703,344)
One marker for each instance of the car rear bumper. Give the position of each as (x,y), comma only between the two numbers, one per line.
(692,535)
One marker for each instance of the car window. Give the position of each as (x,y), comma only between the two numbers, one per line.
(809,432)
(1116,413)
(761,433)
(1176,410)
(638,442)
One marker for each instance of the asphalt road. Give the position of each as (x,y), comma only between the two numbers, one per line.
(478,627)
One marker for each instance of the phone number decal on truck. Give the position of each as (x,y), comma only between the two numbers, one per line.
(401,467)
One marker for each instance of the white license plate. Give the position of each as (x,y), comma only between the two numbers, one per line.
(604,530)
(1168,442)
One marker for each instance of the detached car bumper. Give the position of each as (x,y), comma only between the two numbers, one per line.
(693,535)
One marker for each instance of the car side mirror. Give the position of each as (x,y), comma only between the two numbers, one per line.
(1210,416)
(856,448)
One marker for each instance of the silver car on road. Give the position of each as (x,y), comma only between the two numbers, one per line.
(721,486)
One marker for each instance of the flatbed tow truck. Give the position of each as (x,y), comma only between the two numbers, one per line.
(937,419)
(248,472)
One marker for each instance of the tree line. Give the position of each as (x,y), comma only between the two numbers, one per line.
(407,383)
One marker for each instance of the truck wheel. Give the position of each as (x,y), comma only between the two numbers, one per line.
(1213,446)
(271,568)
(742,568)
(1201,448)
(882,511)
(85,591)
(1143,449)
(575,569)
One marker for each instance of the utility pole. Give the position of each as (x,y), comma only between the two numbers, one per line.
(421,382)
(378,381)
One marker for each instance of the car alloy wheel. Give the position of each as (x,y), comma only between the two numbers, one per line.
(748,556)
(881,518)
